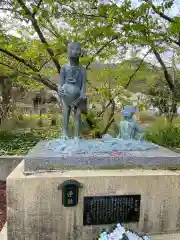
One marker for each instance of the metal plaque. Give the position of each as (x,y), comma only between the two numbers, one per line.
(99,210)
(70,192)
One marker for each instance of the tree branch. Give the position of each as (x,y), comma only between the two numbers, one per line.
(38,78)
(43,64)
(8,66)
(50,30)
(74,12)
(53,28)
(46,82)
(137,69)
(47,61)
(37,7)
(166,73)
(39,3)
(40,34)
(111,101)
(100,50)
(161,14)
(174,41)
(110,119)
(19,59)
(7,9)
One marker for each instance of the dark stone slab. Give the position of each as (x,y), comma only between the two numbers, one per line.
(100,210)
(42,159)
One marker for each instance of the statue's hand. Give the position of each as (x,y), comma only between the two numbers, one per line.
(75,103)
(61,92)
(82,96)
(141,135)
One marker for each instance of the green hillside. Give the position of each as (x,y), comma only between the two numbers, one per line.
(121,74)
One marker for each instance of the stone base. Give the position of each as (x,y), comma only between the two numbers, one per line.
(171,236)
(35,210)
(40,158)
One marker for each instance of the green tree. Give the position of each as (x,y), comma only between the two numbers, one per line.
(39,57)
(120,25)
(106,29)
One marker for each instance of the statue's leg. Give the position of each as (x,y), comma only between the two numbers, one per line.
(66,115)
(77,114)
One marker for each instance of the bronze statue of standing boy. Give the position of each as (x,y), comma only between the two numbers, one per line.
(72,89)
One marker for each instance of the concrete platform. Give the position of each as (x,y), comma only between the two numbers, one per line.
(40,158)
(172,236)
(7,165)
(35,210)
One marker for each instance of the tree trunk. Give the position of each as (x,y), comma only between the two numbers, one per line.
(6,88)
(110,119)
(173,111)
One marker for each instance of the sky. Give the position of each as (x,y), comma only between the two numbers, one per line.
(174,10)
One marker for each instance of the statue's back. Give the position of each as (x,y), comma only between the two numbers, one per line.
(127,130)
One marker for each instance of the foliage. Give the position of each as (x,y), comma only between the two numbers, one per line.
(114,75)
(165,134)
(21,143)
(161,97)
(113,24)
(105,28)
(146,117)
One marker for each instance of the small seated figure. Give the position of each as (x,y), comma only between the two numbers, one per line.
(129,128)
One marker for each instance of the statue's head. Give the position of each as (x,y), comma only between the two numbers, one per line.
(74,50)
(129,111)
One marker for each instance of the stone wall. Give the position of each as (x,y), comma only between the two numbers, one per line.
(7,165)
(35,210)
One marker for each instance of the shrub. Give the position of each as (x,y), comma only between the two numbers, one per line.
(164,134)
(17,143)
(146,116)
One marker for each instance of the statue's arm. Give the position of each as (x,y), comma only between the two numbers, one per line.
(119,134)
(84,80)
(138,128)
(62,76)
(140,132)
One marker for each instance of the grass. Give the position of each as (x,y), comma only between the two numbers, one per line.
(19,143)
(175,150)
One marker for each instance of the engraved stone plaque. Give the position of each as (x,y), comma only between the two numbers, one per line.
(100,210)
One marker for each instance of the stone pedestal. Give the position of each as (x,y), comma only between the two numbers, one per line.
(40,158)
(35,210)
